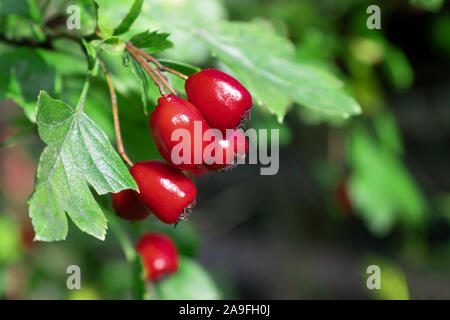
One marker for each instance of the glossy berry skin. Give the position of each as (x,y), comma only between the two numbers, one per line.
(164,190)
(223,101)
(159,255)
(173,113)
(240,144)
(234,146)
(127,205)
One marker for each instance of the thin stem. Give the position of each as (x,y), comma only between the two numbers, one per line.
(156,71)
(163,79)
(86,85)
(115,110)
(157,63)
(122,237)
(147,68)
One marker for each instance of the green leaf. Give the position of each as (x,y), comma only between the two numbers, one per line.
(112,45)
(381,187)
(115,17)
(145,84)
(191,282)
(138,289)
(176,17)
(26,8)
(130,17)
(9,239)
(152,42)
(393,283)
(24,72)
(430,5)
(398,69)
(266,65)
(78,154)
(91,52)
(388,132)
(182,67)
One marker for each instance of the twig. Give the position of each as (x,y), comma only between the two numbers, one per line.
(156,62)
(156,72)
(148,69)
(115,115)
(84,91)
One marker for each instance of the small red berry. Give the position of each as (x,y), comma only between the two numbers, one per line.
(173,113)
(240,144)
(232,147)
(159,255)
(342,197)
(164,190)
(223,101)
(127,205)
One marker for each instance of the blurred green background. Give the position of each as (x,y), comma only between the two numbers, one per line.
(373,189)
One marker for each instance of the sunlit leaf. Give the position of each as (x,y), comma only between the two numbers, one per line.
(152,42)
(381,187)
(191,282)
(78,154)
(264,62)
(129,19)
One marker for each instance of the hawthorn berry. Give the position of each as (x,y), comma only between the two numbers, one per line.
(173,113)
(197,172)
(127,205)
(342,197)
(223,101)
(164,190)
(232,147)
(159,255)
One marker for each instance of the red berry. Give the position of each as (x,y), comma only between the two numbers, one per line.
(165,190)
(197,172)
(240,144)
(159,255)
(223,101)
(173,113)
(232,147)
(127,205)
(27,235)
(342,197)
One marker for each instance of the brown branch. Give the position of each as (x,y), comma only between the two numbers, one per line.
(147,68)
(157,63)
(155,71)
(112,93)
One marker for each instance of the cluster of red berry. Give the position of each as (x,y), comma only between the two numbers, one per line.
(216,100)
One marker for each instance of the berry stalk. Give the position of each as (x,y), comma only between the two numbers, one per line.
(115,110)
(150,70)
(157,63)
(155,70)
